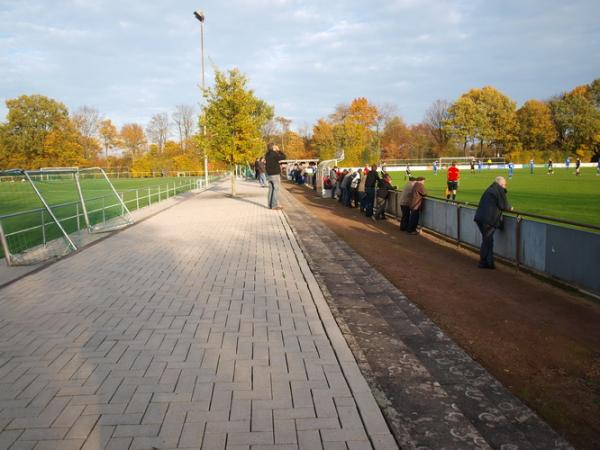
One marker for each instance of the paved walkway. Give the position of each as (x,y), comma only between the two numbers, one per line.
(201,327)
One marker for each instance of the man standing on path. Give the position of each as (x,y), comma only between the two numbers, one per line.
(405,198)
(416,204)
(370,188)
(489,218)
(453,177)
(273,168)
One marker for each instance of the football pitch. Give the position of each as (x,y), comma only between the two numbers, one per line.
(562,195)
(23,226)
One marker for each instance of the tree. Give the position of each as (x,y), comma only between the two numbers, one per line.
(435,119)
(355,135)
(234,118)
(133,139)
(285,127)
(577,120)
(462,121)
(396,139)
(536,127)
(183,117)
(25,138)
(323,140)
(422,144)
(158,130)
(295,148)
(109,136)
(484,115)
(87,121)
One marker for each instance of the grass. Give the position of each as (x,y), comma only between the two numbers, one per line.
(562,195)
(19,196)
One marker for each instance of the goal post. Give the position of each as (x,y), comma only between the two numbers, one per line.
(103,207)
(58,206)
(38,234)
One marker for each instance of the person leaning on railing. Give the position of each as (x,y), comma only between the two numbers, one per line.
(405,198)
(416,204)
(489,218)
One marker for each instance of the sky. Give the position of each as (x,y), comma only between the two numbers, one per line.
(131,59)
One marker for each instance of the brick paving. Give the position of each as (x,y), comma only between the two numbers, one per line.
(201,327)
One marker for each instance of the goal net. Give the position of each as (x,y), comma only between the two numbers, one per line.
(446,161)
(47,213)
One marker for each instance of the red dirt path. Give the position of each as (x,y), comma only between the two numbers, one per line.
(541,341)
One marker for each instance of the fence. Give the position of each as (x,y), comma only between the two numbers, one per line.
(39,229)
(565,250)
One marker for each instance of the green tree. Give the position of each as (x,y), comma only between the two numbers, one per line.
(537,131)
(234,118)
(31,119)
(577,120)
(487,116)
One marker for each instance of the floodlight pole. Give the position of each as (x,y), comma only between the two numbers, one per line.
(200,16)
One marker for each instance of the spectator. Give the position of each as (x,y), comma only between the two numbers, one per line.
(262,172)
(362,195)
(489,218)
(354,188)
(370,187)
(383,192)
(405,198)
(338,189)
(345,185)
(333,175)
(273,169)
(416,204)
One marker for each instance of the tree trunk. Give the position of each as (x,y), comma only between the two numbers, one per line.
(233,177)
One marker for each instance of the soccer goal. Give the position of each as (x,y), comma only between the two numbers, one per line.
(44,214)
(446,161)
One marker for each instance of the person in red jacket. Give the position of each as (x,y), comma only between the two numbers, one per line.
(453,178)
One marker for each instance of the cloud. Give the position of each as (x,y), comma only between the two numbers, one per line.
(133,58)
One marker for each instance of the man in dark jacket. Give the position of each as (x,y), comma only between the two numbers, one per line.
(416,204)
(370,188)
(383,192)
(489,217)
(273,168)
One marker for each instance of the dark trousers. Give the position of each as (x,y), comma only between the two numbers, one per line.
(413,221)
(405,216)
(369,201)
(353,197)
(486,252)
(362,200)
(345,197)
(380,208)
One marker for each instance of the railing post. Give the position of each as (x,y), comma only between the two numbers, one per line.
(103,211)
(458,224)
(137,199)
(43,229)
(149,197)
(4,246)
(77,214)
(518,242)
(159,192)
(122,196)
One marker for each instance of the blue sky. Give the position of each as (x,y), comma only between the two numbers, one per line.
(131,59)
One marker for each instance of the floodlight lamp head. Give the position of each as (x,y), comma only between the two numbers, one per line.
(199,15)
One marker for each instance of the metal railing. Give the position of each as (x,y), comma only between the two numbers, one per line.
(74,221)
(566,250)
